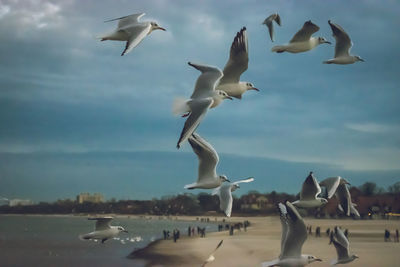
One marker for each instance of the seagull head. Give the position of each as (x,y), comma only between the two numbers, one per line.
(121,229)
(250,86)
(322,40)
(358,58)
(223,95)
(155,26)
(354,256)
(311,258)
(223,178)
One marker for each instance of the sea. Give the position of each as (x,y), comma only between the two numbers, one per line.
(35,240)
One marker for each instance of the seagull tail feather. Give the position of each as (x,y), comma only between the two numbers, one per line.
(180,106)
(278,49)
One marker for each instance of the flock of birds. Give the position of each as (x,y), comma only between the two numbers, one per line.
(211,88)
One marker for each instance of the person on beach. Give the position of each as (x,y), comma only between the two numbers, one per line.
(310,230)
(231,230)
(318,231)
(165,234)
(387,235)
(328,231)
(175,235)
(397,236)
(189,231)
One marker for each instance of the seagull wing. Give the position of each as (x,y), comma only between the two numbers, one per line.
(225,198)
(238,60)
(137,33)
(343,41)
(269,22)
(296,234)
(354,211)
(205,83)
(331,185)
(304,34)
(102,223)
(310,189)
(208,158)
(285,225)
(247,180)
(342,252)
(343,195)
(341,238)
(198,109)
(211,257)
(127,20)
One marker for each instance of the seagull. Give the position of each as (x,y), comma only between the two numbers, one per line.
(131,30)
(302,40)
(269,23)
(237,64)
(341,244)
(342,47)
(344,198)
(294,234)
(208,160)
(332,184)
(224,193)
(211,257)
(103,230)
(204,97)
(309,193)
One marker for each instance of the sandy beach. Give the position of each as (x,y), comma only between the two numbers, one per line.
(261,242)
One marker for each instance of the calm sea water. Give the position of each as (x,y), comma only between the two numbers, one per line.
(53,241)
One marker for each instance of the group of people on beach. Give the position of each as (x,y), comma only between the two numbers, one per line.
(387,236)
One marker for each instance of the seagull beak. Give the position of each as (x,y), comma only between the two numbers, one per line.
(161,28)
(256,89)
(228,180)
(228,97)
(327,42)
(125,231)
(362,60)
(317,259)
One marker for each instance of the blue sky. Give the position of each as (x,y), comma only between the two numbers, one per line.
(67,99)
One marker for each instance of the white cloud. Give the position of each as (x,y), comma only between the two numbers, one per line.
(371,127)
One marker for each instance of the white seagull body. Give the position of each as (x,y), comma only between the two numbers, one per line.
(345,203)
(269,23)
(103,230)
(211,257)
(131,30)
(208,160)
(204,97)
(224,193)
(342,47)
(332,184)
(309,192)
(294,234)
(302,40)
(341,244)
(237,64)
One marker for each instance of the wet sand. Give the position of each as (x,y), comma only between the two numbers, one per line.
(261,243)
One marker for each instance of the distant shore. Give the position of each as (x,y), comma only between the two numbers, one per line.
(261,242)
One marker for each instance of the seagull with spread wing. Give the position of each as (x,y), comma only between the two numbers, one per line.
(237,64)
(309,194)
(131,30)
(208,160)
(103,230)
(211,257)
(331,184)
(342,47)
(224,192)
(341,244)
(204,97)
(302,41)
(294,234)
(269,23)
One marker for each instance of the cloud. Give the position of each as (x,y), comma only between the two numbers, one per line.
(372,128)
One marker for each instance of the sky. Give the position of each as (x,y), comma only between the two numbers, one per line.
(77,117)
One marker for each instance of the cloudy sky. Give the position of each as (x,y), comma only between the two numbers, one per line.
(76,116)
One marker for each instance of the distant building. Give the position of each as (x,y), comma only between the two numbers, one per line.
(86,197)
(20,202)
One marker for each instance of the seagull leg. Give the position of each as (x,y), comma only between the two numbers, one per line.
(186,114)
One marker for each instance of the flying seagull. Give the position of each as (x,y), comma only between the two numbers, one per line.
(269,23)
(309,192)
(341,244)
(237,64)
(211,257)
(342,47)
(204,97)
(224,193)
(302,40)
(103,230)
(208,160)
(344,198)
(332,184)
(131,30)
(294,234)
